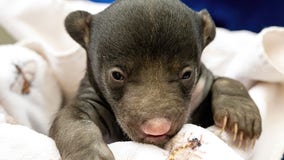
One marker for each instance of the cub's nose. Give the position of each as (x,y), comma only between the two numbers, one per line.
(156,126)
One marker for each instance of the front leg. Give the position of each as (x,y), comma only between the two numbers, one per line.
(78,138)
(79,128)
(234,110)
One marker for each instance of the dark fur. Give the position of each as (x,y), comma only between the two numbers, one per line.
(151,42)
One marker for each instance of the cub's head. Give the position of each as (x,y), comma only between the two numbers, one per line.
(144,60)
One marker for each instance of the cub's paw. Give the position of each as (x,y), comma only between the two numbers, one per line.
(235,112)
(102,152)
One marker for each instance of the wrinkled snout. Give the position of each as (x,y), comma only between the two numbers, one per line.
(152,112)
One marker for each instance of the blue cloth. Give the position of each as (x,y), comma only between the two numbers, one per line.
(251,15)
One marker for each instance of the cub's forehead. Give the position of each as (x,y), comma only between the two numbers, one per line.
(142,28)
(133,33)
(148,18)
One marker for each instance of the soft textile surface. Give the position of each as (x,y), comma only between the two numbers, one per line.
(45,67)
(29,92)
(21,143)
(181,147)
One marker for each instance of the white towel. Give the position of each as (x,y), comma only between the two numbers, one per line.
(29,91)
(21,143)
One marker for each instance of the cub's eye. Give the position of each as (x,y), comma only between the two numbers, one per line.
(186,73)
(117,74)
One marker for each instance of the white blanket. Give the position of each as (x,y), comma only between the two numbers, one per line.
(55,64)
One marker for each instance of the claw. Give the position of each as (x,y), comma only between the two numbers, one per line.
(235,132)
(253,142)
(247,144)
(225,120)
(241,139)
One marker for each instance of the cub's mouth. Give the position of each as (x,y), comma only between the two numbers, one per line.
(157,140)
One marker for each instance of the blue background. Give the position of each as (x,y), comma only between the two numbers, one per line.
(252,15)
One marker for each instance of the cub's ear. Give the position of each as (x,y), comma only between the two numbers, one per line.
(77,25)
(209,29)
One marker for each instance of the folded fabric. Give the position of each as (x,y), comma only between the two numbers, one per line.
(192,142)
(18,142)
(39,25)
(247,56)
(29,91)
(5,117)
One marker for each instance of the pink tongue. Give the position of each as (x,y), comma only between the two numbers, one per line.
(156,126)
